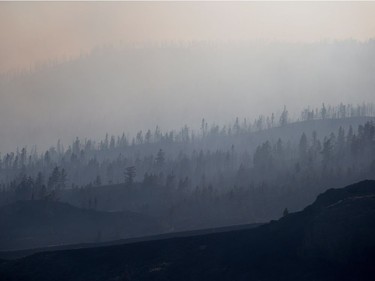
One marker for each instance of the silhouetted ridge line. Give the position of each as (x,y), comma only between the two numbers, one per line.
(318,243)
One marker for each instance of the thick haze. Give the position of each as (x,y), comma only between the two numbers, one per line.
(174,63)
(32,32)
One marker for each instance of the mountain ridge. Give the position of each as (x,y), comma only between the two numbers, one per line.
(325,241)
(38,223)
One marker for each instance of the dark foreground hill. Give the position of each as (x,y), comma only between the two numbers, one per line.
(332,239)
(30,224)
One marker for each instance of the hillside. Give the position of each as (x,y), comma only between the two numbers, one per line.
(332,239)
(177,85)
(30,224)
(313,155)
(324,127)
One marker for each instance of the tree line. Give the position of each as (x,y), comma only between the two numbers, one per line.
(192,175)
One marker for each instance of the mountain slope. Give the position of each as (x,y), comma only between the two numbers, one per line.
(190,81)
(29,224)
(332,239)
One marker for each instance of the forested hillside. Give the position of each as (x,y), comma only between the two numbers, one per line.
(134,87)
(183,141)
(242,173)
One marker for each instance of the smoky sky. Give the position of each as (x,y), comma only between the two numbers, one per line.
(85,69)
(39,31)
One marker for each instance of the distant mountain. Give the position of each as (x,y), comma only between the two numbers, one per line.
(131,88)
(30,224)
(332,239)
(323,127)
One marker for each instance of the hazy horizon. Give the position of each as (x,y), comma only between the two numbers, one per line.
(36,32)
(89,68)
(116,90)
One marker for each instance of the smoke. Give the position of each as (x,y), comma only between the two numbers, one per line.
(115,90)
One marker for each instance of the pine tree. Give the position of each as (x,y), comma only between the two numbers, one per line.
(130,173)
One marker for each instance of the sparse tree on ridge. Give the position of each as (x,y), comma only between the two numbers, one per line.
(130,173)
